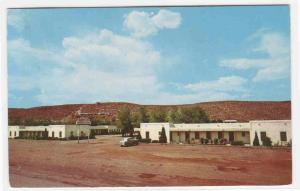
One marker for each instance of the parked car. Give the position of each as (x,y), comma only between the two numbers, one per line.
(129,141)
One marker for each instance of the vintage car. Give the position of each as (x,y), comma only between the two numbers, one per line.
(129,141)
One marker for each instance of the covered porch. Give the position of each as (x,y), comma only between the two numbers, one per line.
(209,137)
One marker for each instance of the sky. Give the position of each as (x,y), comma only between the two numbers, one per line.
(148,55)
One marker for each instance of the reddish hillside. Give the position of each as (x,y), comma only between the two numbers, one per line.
(222,110)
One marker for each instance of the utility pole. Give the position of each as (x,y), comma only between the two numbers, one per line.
(77,134)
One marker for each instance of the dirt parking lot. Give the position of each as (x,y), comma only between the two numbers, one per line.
(102,162)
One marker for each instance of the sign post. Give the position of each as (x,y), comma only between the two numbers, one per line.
(83,121)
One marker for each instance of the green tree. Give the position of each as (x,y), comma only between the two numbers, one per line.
(194,115)
(256,141)
(158,115)
(163,137)
(143,115)
(135,120)
(173,115)
(125,121)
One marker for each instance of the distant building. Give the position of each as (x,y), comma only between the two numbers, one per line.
(61,131)
(83,121)
(279,131)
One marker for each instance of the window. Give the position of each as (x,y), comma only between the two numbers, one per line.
(263,134)
(171,137)
(60,134)
(147,135)
(196,135)
(243,133)
(220,135)
(15,133)
(10,133)
(52,133)
(283,136)
(208,135)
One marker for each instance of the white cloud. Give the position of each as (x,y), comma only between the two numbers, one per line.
(167,19)
(275,65)
(112,53)
(143,24)
(90,78)
(223,84)
(16,18)
(102,67)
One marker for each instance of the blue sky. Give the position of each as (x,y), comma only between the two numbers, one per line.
(157,55)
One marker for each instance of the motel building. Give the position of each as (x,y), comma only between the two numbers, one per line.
(279,131)
(82,128)
(60,131)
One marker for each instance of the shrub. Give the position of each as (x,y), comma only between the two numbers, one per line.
(72,137)
(155,141)
(92,134)
(237,143)
(256,141)
(223,141)
(266,141)
(192,141)
(204,141)
(139,137)
(163,137)
(216,141)
(145,140)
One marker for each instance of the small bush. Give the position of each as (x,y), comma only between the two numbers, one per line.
(206,141)
(155,141)
(145,140)
(216,141)
(223,141)
(139,137)
(72,137)
(266,141)
(237,143)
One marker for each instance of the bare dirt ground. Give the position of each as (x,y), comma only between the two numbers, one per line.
(102,162)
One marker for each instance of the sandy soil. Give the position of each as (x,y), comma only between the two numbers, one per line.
(103,162)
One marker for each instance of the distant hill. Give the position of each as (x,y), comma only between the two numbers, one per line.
(241,111)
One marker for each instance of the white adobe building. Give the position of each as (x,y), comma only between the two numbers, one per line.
(278,130)
(60,131)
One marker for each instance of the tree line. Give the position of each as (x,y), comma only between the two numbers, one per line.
(128,120)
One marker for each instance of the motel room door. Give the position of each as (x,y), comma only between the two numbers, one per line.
(231,136)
